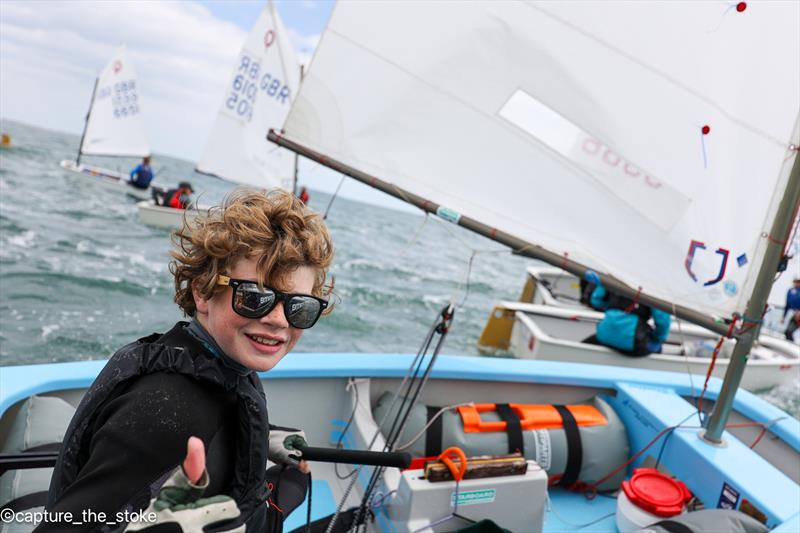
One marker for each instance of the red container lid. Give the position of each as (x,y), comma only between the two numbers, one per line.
(656,493)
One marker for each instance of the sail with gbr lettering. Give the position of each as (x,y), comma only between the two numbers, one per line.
(262,87)
(595,130)
(114,124)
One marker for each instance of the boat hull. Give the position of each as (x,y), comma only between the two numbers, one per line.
(317,393)
(108,179)
(555,334)
(167,217)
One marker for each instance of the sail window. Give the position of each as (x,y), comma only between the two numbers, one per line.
(639,189)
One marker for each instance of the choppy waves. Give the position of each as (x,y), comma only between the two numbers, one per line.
(81,277)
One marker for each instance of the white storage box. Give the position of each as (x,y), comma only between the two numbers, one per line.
(515,503)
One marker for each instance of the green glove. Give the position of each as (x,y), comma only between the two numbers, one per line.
(179,502)
(283,445)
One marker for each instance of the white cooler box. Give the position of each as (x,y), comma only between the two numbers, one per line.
(515,503)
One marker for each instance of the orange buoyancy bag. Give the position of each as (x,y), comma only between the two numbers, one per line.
(575,443)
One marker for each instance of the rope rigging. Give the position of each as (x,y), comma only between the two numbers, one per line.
(409,390)
(408,394)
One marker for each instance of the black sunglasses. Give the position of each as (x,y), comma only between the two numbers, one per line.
(251,301)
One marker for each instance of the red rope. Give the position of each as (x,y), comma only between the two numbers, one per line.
(591,489)
(773,240)
(764,428)
(712,363)
(269,502)
(635,301)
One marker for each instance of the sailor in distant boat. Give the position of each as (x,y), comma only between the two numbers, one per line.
(142,174)
(625,325)
(792,298)
(252,281)
(177,198)
(303,195)
(793,328)
(586,290)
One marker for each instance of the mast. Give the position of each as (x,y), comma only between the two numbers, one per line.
(86,123)
(296,155)
(294,180)
(779,232)
(519,246)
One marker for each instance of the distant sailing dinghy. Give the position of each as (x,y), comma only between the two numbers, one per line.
(265,78)
(531,331)
(114,126)
(549,322)
(546,285)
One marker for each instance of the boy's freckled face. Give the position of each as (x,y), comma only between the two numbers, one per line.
(257,343)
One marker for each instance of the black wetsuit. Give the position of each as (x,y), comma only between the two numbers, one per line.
(129,434)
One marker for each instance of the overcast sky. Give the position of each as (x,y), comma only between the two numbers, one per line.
(183,53)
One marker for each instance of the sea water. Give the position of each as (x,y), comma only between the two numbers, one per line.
(80,276)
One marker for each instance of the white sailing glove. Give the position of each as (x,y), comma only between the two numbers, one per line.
(283,443)
(179,503)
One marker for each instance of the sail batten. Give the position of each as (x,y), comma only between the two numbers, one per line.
(114,125)
(263,85)
(594,130)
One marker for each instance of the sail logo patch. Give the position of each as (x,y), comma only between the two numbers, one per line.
(694,247)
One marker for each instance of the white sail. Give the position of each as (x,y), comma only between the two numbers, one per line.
(648,140)
(115,125)
(265,79)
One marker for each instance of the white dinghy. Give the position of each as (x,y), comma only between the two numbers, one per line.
(265,79)
(549,322)
(114,126)
(556,334)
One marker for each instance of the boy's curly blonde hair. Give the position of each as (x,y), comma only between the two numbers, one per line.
(273,227)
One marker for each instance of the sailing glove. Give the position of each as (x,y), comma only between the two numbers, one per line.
(592,277)
(654,347)
(179,507)
(283,444)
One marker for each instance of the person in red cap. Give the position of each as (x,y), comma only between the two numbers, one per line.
(177,198)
